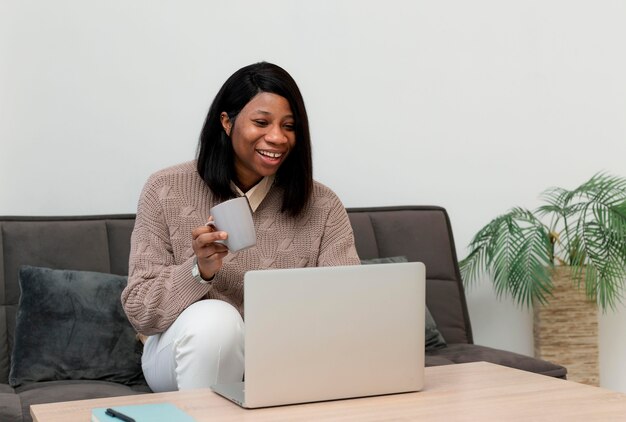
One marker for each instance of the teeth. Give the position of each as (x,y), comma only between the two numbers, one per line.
(271,154)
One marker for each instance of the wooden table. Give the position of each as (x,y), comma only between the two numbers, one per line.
(466,392)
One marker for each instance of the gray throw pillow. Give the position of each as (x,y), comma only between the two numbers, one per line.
(70,325)
(386,260)
(432,336)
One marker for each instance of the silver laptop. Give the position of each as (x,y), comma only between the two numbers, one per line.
(327,333)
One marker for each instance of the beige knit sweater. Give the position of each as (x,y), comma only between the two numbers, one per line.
(176,200)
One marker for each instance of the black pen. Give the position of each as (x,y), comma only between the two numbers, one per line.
(116,414)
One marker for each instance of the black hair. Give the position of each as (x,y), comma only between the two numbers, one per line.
(216,160)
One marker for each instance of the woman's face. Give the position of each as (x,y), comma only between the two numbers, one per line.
(263,135)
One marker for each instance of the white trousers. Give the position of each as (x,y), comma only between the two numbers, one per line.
(204,346)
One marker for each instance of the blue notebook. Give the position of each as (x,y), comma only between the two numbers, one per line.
(152,412)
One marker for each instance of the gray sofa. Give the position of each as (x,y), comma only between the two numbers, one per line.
(101,244)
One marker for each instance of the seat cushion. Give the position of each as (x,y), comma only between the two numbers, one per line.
(58,391)
(464,353)
(436,360)
(10,405)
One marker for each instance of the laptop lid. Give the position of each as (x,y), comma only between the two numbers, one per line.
(328,333)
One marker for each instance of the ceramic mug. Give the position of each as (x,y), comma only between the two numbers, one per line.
(235,218)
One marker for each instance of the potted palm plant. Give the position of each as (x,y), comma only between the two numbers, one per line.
(576,241)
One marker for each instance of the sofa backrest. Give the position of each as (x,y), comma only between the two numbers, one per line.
(99,243)
(102,243)
(422,234)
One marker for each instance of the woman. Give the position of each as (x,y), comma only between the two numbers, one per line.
(184,290)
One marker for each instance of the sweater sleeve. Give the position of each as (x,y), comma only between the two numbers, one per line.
(159,288)
(337,243)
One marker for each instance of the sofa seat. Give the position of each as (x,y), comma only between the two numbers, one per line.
(15,402)
(464,353)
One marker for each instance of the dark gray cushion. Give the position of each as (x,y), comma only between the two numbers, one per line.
(464,353)
(385,260)
(57,391)
(10,405)
(433,338)
(70,325)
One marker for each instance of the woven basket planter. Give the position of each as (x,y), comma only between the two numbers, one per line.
(566,330)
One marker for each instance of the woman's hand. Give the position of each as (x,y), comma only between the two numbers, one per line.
(209,253)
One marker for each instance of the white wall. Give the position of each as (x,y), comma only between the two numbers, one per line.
(475,106)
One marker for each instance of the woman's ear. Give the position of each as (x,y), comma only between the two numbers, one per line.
(226,123)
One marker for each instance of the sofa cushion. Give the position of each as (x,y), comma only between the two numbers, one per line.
(71,325)
(58,391)
(433,339)
(436,360)
(385,260)
(464,353)
(10,405)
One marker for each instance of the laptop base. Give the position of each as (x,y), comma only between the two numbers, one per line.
(234,392)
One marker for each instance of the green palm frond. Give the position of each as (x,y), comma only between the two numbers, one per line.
(515,249)
(603,188)
(481,248)
(603,241)
(556,198)
(530,272)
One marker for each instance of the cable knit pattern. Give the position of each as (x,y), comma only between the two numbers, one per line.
(175,201)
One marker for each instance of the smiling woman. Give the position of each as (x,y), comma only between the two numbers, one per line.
(185,288)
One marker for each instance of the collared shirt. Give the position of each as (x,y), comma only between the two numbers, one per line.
(257,193)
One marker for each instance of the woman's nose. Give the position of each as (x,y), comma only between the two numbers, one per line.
(276,135)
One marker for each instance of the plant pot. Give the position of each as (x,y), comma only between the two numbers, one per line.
(566,330)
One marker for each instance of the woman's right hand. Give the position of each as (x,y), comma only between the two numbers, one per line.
(209,253)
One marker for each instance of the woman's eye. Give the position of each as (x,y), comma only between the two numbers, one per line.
(260,122)
(289,127)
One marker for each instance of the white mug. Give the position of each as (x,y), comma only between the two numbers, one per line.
(235,218)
